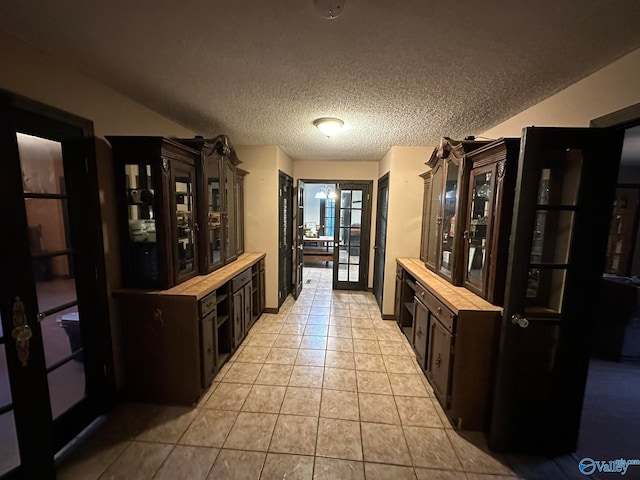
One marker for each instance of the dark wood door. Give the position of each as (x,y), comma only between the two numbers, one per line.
(285,241)
(54,317)
(298,221)
(379,250)
(353,217)
(564,193)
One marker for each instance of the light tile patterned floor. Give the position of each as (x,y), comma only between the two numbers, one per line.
(324,390)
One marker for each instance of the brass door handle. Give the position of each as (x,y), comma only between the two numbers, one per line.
(438,361)
(21,331)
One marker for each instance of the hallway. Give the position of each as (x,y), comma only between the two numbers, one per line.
(324,390)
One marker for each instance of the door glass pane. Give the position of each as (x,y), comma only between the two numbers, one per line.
(552,237)
(53,271)
(9,458)
(479,218)
(433,239)
(343,273)
(229,180)
(545,289)
(9,455)
(449,218)
(66,386)
(560,181)
(213,209)
(41,160)
(140,196)
(184,221)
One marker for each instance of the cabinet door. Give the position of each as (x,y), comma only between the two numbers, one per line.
(183,190)
(439,364)
(239,206)
(248,307)
(434,219)
(213,228)
(207,348)
(420,331)
(478,229)
(230,208)
(397,307)
(426,216)
(238,317)
(449,235)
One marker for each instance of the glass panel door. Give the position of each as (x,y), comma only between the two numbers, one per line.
(565,185)
(9,453)
(185,219)
(435,219)
(230,207)
(214,211)
(351,236)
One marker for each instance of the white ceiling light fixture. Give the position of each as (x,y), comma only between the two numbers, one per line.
(329,126)
(329,8)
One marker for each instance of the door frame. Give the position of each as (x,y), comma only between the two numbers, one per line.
(39,435)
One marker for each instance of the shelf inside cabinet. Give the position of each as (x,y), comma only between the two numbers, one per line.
(221,319)
(220,297)
(411,284)
(408,331)
(409,307)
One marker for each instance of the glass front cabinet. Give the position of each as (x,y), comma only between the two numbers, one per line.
(157,209)
(444,206)
(488,217)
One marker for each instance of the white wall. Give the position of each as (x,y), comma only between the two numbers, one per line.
(404,222)
(336,170)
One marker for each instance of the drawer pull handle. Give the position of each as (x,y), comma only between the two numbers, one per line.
(439,310)
(419,334)
(438,361)
(422,294)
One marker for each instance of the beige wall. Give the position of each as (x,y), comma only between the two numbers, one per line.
(32,74)
(611,88)
(404,222)
(368,171)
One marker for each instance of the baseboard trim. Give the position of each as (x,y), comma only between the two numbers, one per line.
(388,317)
(271,310)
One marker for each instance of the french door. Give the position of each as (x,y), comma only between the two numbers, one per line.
(298,255)
(52,294)
(285,237)
(564,192)
(353,218)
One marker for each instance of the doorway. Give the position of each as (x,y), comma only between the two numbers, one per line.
(53,306)
(337,217)
(380,247)
(610,419)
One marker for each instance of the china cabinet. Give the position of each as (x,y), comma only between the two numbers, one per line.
(444,207)
(155,181)
(622,230)
(487,223)
(239,192)
(220,197)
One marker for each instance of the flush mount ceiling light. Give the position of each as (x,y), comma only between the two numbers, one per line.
(329,126)
(329,8)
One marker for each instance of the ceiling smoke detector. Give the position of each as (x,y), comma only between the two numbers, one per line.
(329,8)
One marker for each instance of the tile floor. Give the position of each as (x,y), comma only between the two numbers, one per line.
(324,390)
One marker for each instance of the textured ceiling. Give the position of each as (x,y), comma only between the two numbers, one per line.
(397,72)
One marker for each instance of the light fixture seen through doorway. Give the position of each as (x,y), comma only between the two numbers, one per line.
(329,126)
(325,193)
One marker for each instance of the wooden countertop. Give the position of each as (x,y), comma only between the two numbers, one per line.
(456,298)
(201,285)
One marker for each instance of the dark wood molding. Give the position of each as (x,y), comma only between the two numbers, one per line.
(625,118)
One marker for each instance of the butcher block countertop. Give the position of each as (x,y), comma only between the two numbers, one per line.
(458,299)
(201,285)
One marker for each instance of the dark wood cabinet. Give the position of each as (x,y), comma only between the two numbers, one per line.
(176,340)
(155,181)
(258,290)
(455,338)
(622,230)
(487,224)
(444,206)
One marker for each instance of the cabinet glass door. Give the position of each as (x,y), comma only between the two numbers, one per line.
(479,228)
(184,194)
(434,219)
(448,235)
(230,207)
(214,212)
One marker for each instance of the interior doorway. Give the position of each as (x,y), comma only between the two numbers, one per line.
(610,418)
(285,240)
(337,226)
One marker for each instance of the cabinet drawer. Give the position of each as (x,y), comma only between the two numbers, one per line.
(436,307)
(207,304)
(239,280)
